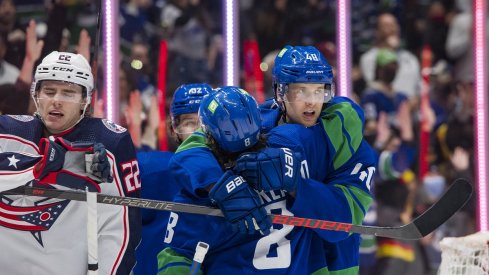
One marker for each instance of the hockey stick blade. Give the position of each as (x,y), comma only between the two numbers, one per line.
(457,195)
(454,198)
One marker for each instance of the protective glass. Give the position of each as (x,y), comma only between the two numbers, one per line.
(317,95)
(68,93)
(186,126)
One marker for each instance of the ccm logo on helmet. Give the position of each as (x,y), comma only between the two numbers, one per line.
(65,57)
(62,69)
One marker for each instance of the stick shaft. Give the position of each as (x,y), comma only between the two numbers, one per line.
(454,198)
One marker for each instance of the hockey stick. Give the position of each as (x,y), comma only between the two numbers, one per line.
(452,200)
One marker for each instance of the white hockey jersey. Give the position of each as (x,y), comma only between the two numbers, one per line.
(49,236)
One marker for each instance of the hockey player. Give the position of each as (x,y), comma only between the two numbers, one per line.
(286,250)
(303,85)
(231,124)
(157,180)
(49,236)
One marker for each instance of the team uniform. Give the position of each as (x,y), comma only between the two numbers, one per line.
(157,184)
(49,236)
(341,123)
(339,165)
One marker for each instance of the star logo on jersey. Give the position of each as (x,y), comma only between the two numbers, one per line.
(13,161)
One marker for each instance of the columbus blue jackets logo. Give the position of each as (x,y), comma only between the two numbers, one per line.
(113,126)
(35,218)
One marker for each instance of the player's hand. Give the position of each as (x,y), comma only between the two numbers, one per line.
(75,165)
(240,205)
(100,166)
(270,169)
(52,158)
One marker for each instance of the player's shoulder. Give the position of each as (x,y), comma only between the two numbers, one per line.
(154,159)
(344,112)
(105,125)
(158,158)
(112,135)
(22,120)
(103,128)
(343,121)
(290,134)
(194,141)
(21,125)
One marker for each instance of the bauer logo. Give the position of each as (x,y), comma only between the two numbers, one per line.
(314,72)
(289,162)
(212,106)
(230,186)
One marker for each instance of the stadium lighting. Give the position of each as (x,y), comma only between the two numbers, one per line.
(343,42)
(480,90)
(231,43)
(111,58)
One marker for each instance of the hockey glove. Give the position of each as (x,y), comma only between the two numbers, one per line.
(74,165)
(240,205)
(270,169)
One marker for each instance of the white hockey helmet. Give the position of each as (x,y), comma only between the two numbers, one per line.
(67,67)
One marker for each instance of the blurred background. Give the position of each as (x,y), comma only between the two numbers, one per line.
(411,70)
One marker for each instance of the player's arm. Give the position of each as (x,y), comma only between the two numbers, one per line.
(343,196)
(119,229)
(345,193)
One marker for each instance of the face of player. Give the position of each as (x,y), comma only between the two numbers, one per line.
(303,102)
(187,124)
(60,105)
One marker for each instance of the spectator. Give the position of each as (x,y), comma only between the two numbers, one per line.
(142,70)
(189,27)
(13,31)
(459,42)
(15,98)
(407,80)
(8,72)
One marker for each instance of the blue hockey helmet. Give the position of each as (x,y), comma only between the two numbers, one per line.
(187,98)
(301,64)
(231,116)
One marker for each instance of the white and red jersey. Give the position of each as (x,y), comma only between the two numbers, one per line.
(48,236)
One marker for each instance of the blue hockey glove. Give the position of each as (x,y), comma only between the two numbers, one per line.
(100,166)
(75,165)
(240,205)
(270,169)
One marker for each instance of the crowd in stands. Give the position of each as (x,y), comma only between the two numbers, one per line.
(387,40)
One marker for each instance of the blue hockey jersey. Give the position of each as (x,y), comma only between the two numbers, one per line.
(157,183)
(339,165)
